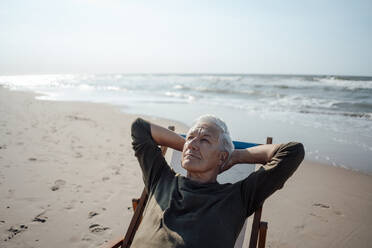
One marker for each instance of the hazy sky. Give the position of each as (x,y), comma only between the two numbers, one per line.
(99,36)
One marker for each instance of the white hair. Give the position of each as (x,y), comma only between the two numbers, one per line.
(224,137)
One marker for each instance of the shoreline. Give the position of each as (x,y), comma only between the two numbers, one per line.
(288,108)
(67,176)
(122,108)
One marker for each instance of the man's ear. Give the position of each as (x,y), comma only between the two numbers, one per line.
(223,157)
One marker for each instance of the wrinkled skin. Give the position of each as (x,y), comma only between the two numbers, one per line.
(202,155)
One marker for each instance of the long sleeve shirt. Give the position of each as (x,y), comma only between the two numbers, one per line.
(183,213)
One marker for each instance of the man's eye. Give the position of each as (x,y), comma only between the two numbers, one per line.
(204,140)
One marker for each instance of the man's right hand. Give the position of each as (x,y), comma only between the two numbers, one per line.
(255,155)
(234,159)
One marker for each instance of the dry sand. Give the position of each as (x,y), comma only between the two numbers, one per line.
(68,173)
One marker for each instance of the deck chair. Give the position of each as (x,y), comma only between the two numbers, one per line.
(258,231)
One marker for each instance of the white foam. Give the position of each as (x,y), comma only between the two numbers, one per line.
(85,87)
(34,81)
(348,84)
(173,94)
(191,98)
(113,88)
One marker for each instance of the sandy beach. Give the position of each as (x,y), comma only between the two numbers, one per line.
(68,174)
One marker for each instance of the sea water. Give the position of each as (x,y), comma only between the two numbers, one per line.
(330,115)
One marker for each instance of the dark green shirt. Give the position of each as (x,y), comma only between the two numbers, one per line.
(184,213)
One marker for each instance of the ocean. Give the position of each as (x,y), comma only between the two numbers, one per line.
(330,115)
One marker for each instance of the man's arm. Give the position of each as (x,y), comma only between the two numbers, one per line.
(166,137)
(146,138)
(280,162)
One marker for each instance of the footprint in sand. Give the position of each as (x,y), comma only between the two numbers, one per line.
(10,193)
(78,118)
(321,218)
(92,214)
(300,227)
(105,178)
(115,170)
(324,206)
(321,205)
(58,184)
(32,159)
(40,218)
(87,238)
(13,231)
(96,228)
(78,155)
(69,207)
(77,188)
(337,212)
(53,129)
(3,147)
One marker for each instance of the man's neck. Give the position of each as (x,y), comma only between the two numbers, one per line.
(208,177)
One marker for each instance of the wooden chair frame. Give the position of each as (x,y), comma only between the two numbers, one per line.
(258,231)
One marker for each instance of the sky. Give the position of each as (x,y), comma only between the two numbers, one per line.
(118,36)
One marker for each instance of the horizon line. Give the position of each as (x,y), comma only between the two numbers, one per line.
(193,73)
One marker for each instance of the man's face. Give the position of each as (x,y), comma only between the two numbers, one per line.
(202,152)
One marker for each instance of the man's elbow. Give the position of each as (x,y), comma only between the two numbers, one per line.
(297,154)
(300,151)
(295,157)
(136,123)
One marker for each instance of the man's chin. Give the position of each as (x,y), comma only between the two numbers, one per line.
(187,164)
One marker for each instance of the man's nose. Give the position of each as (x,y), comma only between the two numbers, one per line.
(193,144)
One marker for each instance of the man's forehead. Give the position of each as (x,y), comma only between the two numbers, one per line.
(205,128)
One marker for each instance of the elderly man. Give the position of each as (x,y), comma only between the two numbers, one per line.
(197,211)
